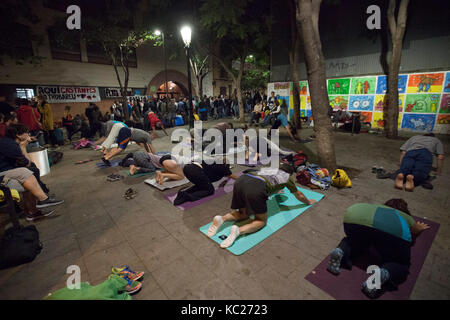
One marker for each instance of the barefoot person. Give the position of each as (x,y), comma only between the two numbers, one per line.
(250,193)
(390,229)
(416,160)
(148,162)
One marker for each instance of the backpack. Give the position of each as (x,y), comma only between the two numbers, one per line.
(18,246)
(300,159)
(303,177)
(54,157)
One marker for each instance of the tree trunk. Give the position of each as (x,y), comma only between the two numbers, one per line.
(308,17)
(293,59)
(397,30)
(237,83)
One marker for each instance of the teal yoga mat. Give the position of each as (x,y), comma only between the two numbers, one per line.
(282,209)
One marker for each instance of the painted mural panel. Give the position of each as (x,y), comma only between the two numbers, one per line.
(305,113)
(304,88)
(381,102)
(305,102)
(365,85)
(382,85)
(339,102)
(442,124)
(339,86)
(425,82)
(422,103)
(366,117)
(447,82)
(418,122)
(378,120)
(361,103)
(445,104)
(281,88)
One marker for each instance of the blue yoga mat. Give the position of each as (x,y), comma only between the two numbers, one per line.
(282,209)
(114,163)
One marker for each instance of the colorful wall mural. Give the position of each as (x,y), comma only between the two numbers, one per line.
(424,99)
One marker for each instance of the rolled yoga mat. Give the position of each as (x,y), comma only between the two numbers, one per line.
(281,208)
(114,163)
(219,191)
(347,285)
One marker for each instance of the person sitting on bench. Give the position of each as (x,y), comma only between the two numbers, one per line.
(147,162)
(416,160)
(390,229)
(250,193)
(202,175)
(126,135)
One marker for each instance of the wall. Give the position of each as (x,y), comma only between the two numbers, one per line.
(423,107)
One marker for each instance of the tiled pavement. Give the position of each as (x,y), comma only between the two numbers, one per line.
(96,228)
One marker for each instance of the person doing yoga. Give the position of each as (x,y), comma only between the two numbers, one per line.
(172,165)
(255,147)
(390,229)
(202,175)
(250,193)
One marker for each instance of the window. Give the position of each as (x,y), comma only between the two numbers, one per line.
(64,44)
(19,42)
(24,93)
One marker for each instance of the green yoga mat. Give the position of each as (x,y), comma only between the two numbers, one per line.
(282,209)
(137,175)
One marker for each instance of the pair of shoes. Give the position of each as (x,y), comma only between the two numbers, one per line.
(114,177)
(48,203)
(38,215)
(132,286)
(127,272)
(376,169)
(130,194)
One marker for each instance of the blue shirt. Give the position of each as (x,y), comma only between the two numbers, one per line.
(11,156)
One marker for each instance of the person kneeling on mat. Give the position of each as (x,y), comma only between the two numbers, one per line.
(390,229)
(144,162)
(202,176)
(250,193)
(126,135)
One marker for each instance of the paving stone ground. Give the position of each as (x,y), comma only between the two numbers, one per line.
(96,228)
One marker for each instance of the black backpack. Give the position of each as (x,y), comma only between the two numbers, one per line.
(18,246)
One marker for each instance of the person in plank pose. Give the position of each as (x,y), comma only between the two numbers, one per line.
(250,193)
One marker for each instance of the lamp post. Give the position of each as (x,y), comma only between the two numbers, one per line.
(186,35)
(159,33)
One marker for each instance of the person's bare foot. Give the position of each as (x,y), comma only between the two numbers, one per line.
(399,181)
(159,177)
(409,186)
(133,169)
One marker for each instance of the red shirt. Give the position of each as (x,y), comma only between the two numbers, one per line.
(2,129)
(25,116)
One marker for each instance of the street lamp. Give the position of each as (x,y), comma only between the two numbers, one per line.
(186,35)
(159,33)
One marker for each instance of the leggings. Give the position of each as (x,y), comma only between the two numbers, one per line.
(418,163)
(395,252)
(202,185)
(112,135)
(143,161)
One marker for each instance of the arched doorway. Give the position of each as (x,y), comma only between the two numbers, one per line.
(177,84)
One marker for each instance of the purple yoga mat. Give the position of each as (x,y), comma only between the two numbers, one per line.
(218,193)
(347,285)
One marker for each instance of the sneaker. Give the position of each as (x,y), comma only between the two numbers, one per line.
(130,194)
(38,215)
(132,286)
(127,272)
(334,264)
(48,203)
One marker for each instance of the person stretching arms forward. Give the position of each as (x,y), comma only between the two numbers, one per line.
(250,193)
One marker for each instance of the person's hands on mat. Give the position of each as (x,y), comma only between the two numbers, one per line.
(419,227)
(312,201)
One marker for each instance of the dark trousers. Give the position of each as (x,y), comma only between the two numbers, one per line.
(95,127)
(395,252)
(202,185)
(50,137)
(204,115)
(418,163)
(255,117)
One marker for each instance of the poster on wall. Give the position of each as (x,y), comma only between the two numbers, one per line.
(442,124)
(339,102)
(365,85)
(447,82)
(339,86)
(63,94)
(305,102)
(445,104)
(378,120)
(281,89)
(425,82)
(361,103)
(418,122)
(304,89)
(111,93)
(422,103)
(381,102)
(382,84)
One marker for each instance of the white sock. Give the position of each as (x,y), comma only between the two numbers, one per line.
(217,222)
(234,233)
